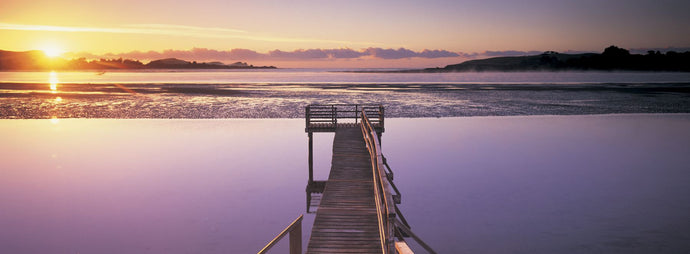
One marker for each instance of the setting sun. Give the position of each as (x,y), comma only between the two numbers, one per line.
(52,51)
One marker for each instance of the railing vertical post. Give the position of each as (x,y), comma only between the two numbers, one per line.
(307,116)
(356,110)
(296,239)
(390,221)
(334,116)
(381,116)
(378,135)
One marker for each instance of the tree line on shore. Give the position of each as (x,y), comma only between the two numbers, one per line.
(613,58)
(37,60)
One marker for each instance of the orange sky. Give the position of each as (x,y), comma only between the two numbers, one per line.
(461,27)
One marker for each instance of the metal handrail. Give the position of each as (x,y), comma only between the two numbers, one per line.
(295,230)
(385,206)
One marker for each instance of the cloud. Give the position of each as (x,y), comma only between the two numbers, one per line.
(238,54)
(406,53)
(437,53)
(193,54)
(344,53)
(509,53)
(390,53)
(175,30)
(299,54)
(188,28)
(302,54)
(204,54)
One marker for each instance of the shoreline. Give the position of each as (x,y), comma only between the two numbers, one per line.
(199,101)
(387,118)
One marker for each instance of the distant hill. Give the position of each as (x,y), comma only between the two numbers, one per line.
(174,63)
(37,60)
(27,60)
(168,62)
(613,58)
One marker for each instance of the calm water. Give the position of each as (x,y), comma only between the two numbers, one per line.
(509,184)
(537,184)
(283,93)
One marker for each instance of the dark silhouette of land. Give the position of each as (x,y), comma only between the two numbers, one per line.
(37,60)
(613,58)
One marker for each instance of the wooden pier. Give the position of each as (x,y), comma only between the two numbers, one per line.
(357,212)
(346,217)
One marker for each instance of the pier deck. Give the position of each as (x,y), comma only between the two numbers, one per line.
(346,220)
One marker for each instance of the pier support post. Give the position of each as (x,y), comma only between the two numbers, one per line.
(296,239)
(311,158)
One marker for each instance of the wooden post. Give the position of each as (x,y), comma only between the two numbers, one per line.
(381,125)
(296,239)
(334,115)
(295,231)
(381,117)
(356,112)
(307,116)
(390,230)
(378,134)
(308,191)
(311,157)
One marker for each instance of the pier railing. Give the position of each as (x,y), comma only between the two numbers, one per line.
(387,196)
(295,231)
(385,206)
(328,117)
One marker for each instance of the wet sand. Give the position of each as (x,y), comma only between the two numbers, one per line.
(276,100)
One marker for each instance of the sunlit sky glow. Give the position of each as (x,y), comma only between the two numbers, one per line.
(462,27)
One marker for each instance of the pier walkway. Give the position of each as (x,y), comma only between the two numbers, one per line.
(346,217)
(356,208)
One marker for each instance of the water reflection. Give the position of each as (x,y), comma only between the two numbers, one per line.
(314,192)
(53,80)
(191,187)
(532,184)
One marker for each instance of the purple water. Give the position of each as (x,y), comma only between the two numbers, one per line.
(537,184)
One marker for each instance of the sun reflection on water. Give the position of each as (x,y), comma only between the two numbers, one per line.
(54,120)
(53,80)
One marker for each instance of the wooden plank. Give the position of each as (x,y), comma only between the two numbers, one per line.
(402,248)
(346,220)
